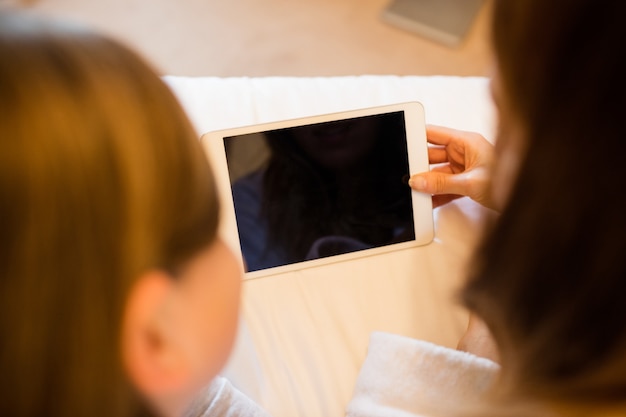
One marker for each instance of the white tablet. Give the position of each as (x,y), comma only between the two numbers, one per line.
(301,193)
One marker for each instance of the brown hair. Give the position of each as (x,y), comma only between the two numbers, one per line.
(101,178)
(550,277)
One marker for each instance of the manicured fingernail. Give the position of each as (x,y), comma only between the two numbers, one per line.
(417,183)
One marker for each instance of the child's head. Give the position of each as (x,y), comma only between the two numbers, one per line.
(111,272)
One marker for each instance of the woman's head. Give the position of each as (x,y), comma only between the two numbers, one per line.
(107,208)
(550,278)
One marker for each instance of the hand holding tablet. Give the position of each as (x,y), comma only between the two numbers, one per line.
(304,192)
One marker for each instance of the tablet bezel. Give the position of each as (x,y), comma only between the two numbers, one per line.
(417,148)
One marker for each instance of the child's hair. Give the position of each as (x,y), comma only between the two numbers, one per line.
(550,279)
(101,178)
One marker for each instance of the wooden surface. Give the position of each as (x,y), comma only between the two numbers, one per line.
(274,37)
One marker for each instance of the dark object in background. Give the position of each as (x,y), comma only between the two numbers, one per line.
(443,21)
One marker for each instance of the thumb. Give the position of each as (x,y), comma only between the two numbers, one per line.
(439,183)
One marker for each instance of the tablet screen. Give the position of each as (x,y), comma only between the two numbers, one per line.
(319,190)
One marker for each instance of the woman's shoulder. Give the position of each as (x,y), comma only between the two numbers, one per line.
(403,377)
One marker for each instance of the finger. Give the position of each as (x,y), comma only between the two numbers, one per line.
(434,182)
(440,135)
(444,136)
(437,155)
(440,200)
(450,167)
(443,168)
(451,142)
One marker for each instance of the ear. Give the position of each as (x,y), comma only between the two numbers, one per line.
(153,361)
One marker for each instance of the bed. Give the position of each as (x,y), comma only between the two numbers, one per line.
(304,335)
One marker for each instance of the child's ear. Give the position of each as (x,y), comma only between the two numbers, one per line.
(153,359)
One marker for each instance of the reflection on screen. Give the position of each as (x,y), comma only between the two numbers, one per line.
(320,190)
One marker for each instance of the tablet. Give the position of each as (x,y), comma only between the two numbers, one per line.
(301,193)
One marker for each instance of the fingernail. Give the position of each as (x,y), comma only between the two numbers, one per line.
(417,183)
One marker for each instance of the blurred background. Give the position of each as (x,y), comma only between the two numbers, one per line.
(272,37)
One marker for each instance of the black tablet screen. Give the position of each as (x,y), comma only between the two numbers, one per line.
(320,190)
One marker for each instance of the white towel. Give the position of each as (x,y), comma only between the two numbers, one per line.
(403,377)
(221,399)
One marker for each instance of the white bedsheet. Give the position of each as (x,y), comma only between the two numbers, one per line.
(304,335)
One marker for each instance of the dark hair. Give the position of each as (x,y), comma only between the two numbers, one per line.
(101,179)
(550,277)
(315,209)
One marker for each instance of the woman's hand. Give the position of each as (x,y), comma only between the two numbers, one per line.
(461,163)
(478,341)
